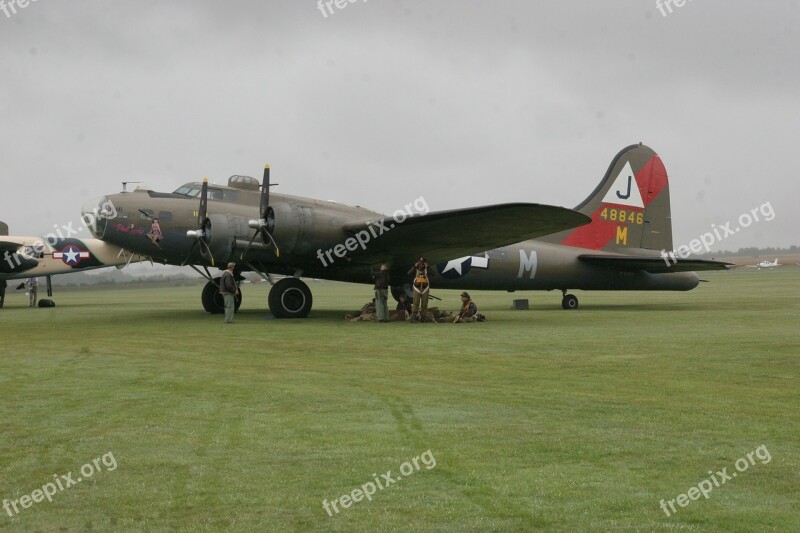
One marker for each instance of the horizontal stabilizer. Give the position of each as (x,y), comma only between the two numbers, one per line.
(653,265)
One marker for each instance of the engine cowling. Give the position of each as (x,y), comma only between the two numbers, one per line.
(224,229)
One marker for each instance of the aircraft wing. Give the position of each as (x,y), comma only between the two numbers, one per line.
(447,234)
(653,265)
(12,244)
(9,246)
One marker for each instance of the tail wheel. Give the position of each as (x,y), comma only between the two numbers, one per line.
(212,300)
(569,301)
(290,298)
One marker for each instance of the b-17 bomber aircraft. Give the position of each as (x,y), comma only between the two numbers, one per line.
(611,241)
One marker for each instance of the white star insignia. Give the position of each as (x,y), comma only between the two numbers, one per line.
(455,264)
(71,255)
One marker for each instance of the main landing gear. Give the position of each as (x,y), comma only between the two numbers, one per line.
(288,298)
(212,299)
(568,301)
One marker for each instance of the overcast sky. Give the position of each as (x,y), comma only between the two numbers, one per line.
(464,102)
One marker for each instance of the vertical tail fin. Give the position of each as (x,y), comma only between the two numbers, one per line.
(630,208)
(3,228)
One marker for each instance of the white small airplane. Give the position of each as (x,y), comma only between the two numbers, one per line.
(766,264)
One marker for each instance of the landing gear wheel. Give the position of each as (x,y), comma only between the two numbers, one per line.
(569,301)
(290,298)
(212,300)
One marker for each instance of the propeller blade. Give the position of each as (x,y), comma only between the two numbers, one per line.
(264,194)
(249,244)
(275,244)
(203,224)
(202,213)
(186,261)
(207,253)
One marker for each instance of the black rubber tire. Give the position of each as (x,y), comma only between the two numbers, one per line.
(212,300)
(570,301)
(290,298)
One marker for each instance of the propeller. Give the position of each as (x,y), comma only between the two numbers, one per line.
(203,234)
(263,224)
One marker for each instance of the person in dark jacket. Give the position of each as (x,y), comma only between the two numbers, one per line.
(381,278)
(228,290)
(403,307)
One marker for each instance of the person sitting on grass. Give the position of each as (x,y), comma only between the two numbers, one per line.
(469,310)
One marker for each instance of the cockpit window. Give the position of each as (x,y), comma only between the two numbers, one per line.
(193,191)
(190,191)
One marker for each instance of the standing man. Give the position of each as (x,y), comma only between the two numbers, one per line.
(382,293)
(3,286)
(33,289)
(421,287)
(228,290)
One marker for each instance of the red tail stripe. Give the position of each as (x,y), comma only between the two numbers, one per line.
(651,180)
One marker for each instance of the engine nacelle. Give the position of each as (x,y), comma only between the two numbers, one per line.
(224,230)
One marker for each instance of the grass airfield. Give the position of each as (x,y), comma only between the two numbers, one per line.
(538,420)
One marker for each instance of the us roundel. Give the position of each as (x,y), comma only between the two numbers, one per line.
(457,268)
(71,255)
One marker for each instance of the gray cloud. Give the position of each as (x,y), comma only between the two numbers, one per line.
(465,102)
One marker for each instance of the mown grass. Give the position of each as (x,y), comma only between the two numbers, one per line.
(541,419)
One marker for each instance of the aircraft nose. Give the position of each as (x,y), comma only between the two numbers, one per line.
(96,213)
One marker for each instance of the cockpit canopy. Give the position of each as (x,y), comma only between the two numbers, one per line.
(190,189)
(242,183)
